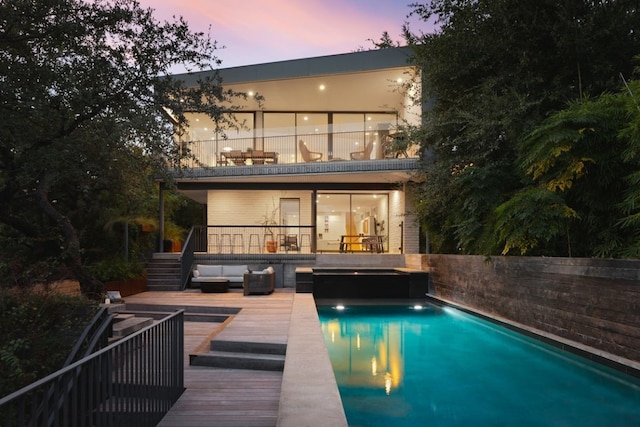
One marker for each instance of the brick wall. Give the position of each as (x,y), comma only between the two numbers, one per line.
(595,302)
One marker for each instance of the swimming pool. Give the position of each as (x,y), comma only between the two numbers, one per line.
(437,366)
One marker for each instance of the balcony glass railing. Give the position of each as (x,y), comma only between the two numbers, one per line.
(292,149)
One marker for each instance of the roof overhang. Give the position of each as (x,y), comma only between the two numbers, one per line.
(347,63)
(385,174)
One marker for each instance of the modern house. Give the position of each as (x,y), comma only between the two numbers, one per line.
(311,167)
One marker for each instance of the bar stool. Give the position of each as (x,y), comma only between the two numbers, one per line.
(225,242)
(254,244)
(213,243)
(237,241)
(305,241)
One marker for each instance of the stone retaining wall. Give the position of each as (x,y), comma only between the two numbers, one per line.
(595,302)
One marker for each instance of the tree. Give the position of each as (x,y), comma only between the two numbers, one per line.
(584,159)
(495,70)
(86,120)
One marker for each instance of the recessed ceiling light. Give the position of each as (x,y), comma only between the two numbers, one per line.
(399,80)
(322,87)
(250,93)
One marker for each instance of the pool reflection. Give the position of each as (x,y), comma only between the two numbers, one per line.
(369,352)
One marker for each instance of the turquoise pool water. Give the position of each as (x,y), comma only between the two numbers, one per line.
(404,366)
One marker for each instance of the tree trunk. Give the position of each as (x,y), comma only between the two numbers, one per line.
(90,287)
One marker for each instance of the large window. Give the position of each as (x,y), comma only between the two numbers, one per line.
(355,214)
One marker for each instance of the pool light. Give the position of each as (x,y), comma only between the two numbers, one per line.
(339,307)
(417,307)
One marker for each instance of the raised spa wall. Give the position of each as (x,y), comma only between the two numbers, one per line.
(594,302)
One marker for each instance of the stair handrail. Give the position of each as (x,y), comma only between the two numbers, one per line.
(96,335)
(186,258)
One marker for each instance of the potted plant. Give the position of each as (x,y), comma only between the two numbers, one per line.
(268,222)
(173,236)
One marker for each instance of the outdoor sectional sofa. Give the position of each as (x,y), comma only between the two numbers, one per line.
(207,273)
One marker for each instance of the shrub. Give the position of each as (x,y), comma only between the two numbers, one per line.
(37,332)
(111,269)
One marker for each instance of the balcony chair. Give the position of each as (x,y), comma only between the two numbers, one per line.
(364,154)
(308,156)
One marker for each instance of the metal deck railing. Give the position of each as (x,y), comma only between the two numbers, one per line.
(133,382)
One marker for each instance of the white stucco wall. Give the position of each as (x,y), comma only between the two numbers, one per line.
(245,207)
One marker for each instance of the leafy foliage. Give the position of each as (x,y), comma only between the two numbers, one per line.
(88,123)
(533,215)
(37,332)
(115,268)
(495,71)
(578,155)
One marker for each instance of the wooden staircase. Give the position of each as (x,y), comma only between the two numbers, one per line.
(163,272)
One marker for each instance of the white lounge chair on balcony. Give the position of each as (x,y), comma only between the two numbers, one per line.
(308,156)
(364,154)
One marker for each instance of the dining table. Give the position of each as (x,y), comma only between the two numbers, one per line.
(361,243)
(255,157)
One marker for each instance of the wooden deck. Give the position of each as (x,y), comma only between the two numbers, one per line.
(228,397)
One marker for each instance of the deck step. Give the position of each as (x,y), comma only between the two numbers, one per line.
(119,317)
(248,347)
(131,325)
(231,360)
(188,317)
(242,355)
(187,308)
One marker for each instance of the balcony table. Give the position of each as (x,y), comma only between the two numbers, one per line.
(241,158)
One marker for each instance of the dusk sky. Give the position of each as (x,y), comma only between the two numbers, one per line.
(258,31)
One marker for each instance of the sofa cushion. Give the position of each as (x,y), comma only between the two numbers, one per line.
(234,270)
(209,270)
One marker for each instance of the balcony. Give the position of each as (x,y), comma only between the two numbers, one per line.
(276,151)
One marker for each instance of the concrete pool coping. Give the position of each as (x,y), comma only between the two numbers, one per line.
(309,395)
